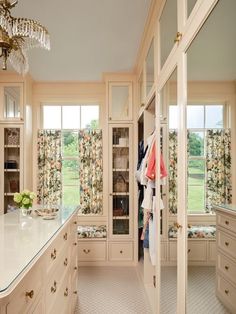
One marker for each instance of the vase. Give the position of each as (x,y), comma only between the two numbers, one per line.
(26,211)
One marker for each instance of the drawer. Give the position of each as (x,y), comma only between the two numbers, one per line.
(227,267)
(227,293)
(74,296)
(91,251)
(121,251)
(61,304)
(53,253)
(227,243)
(227,222)
(26,293)
(54,283)
(197,251)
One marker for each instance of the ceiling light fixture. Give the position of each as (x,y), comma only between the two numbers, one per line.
(17,36)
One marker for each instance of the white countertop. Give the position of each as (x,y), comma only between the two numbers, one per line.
(231,208)
(21,239)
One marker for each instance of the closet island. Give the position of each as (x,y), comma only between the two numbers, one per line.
(38,263)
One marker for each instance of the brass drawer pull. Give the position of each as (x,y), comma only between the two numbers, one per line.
(75,222)
(54,287)
(75,268)
(227,243)
(75,292)
(66,292)
(65,236)
(226,222)
(226,291)
(66,261)
(75,243)
(121,252)
(54,254)
(30,294)
(86,251)
(226,267)
(189,250)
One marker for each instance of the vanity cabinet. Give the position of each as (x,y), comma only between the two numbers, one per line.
(226,256)
(49,283)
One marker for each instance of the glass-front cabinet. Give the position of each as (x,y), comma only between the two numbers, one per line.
(120,180)
(11,165)
(11,101)
(120,101)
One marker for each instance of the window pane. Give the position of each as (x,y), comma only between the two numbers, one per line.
(89,117)
(214,117)
(196,172)
(71,117)
(190,5)
(196,143)
(51,117)
(71,196)
(196,198)
(70,172)
(150,69)
(173,121)
(195,117)
(70,144)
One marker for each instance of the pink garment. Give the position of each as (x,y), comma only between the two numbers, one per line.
(151,166)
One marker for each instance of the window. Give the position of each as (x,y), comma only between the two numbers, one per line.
(70,118)
(200,118)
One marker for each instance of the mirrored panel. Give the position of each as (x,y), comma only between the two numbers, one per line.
(12,101)
(150,68)
(210,121)
(169,197)
(168,29)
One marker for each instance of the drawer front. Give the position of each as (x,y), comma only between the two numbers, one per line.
(121,251)
(227,267)
(26,293)
(54,282)
(91,251)
(227,292)
(227,222)
(197,251)
(227,243)
(74,294)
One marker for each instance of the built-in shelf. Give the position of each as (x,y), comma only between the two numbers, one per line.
(9,194)
(120,217)
(121,169)
(11,170)
(11,146)
(120,146)
(120,193)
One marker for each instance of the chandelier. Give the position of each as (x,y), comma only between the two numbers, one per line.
(17,36)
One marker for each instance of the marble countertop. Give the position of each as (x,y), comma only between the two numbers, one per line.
(21,240)
(227,207)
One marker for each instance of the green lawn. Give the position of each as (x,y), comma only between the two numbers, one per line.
(196,188)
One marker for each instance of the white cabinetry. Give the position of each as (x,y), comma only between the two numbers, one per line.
(226,257)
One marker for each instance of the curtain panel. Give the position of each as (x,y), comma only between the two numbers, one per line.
(91,172)
(218,167)
(49,167)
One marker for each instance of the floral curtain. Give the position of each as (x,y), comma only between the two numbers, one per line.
(91,180)
(218,165)
(49,167)
(173,172)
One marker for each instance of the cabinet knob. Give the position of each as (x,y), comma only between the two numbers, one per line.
(66,292)
(226,267)
(121,252)
(29,294)
(109,118)
(189,250)
(75,268)
(86,251)
(177,225)
(75,243)
(75,222)
(65,236)
(66,262)
(54,254)
(227,222)
(75,292)
(226,291)
(227,243)
(54,287)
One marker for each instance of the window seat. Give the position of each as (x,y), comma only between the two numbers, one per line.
(195,231)
(92,231)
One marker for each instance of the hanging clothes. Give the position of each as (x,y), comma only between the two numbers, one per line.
(151,165)
(153,234)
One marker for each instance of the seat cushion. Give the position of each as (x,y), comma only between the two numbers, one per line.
(92,231)
(196,231)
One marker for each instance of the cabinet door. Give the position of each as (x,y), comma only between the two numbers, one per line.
(11,95)
(120,101)
(120,180)
(11,164)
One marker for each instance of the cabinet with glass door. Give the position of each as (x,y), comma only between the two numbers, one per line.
(120,180)
(11,101)
(11,157)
